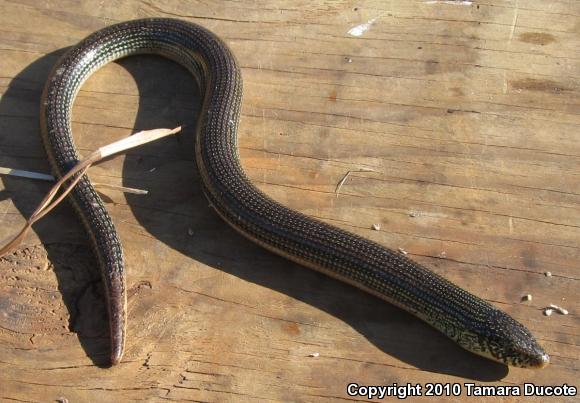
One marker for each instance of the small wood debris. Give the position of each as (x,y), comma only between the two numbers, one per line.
(152,169)
(527,297)
(46,177)
(314,355)
(443,255)
(123,189)
(359,30)
(377,227)
(548,311)
(413,214)
(559,309)
(548,274)
(403,251)
(26,174)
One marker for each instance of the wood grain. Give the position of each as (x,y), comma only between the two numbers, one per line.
(463,116)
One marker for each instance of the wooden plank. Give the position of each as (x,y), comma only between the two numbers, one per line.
(465,112)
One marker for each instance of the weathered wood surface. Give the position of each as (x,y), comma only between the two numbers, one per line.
(467,114)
